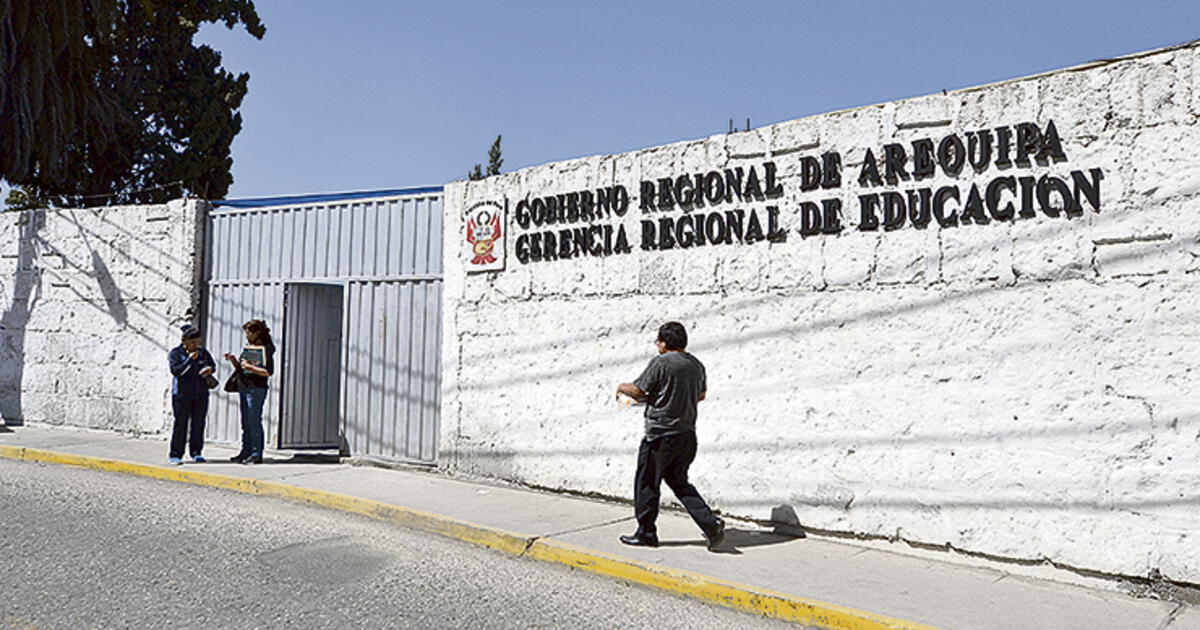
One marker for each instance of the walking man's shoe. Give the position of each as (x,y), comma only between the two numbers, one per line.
(198,459)
(640,540)
(175,461)
(717,536)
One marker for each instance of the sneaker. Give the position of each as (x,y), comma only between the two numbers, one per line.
(252,460)
(198,459)
(175,461)
(239,458)
(717,536)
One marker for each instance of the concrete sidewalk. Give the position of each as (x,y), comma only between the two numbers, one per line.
(814,581)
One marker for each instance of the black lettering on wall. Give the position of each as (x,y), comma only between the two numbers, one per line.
(733,183)
(753,188)
(869,174)
(831,170)
(810,219)
(951,154)
(523,249)
(894,158)
(714,188)
(773,189)
(735,220)
(649,239)
(972,211)
(894,210)
(647,196)
(923,164)
(831,219)
(940,198)
(1089,189)
(523,219)
(868,205)
(754,230)
(666,198)
(620,198)
(1051,148)
(685,233)
(918,207)
(1029,142)
(1003,142)
(775,234)
(810,173)
(715,229)
(979,149)
(666,233)
(1007,212)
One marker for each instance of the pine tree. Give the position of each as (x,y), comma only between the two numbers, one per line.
(111,101)
(494,160)
(494,163)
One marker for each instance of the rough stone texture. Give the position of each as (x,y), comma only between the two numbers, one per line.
(1025,389)
(92,301)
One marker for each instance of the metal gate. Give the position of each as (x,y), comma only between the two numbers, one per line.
(383,250)
(312,366)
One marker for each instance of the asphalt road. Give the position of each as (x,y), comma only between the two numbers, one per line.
(85,549)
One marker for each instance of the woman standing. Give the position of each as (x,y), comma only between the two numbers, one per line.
(190,364)
(252,391)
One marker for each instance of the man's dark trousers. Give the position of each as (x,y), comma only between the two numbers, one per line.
(189,418)
(667,458)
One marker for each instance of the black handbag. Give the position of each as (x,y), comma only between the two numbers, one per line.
(233,384)
(211,381)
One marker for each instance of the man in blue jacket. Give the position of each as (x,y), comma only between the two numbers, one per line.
(190,364)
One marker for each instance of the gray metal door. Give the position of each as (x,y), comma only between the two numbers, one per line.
(312,366)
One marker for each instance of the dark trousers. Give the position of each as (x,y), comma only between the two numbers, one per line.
(190,414)
(667,459)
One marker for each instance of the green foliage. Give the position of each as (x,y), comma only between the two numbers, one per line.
(494,162)
(111,101)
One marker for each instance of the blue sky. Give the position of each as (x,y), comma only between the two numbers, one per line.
(363,94)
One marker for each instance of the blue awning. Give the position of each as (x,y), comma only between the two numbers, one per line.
(292,200)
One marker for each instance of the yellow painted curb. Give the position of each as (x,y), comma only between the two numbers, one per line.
(686,583)
(721,592)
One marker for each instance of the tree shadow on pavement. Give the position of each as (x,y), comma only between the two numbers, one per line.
(737,539)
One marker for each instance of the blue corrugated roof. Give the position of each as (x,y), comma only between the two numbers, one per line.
(291,200)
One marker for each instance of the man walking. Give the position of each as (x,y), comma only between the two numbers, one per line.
(671,385)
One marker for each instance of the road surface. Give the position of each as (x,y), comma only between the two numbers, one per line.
(87,549)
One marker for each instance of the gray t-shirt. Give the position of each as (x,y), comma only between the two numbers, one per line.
(673,383)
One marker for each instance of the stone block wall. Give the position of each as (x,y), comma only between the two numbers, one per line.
(1019,381)
(92,301)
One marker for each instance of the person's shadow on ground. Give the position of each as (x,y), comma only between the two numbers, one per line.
(737,539)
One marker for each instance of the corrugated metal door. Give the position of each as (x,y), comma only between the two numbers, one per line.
(311,366)
(392,368)
(386,252)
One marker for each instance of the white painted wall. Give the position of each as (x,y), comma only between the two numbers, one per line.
(1024,388)
(92,301)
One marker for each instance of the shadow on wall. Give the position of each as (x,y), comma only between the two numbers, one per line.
(27,290)
(108,288)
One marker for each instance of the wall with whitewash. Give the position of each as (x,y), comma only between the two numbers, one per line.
(1020,381)
(92,301)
